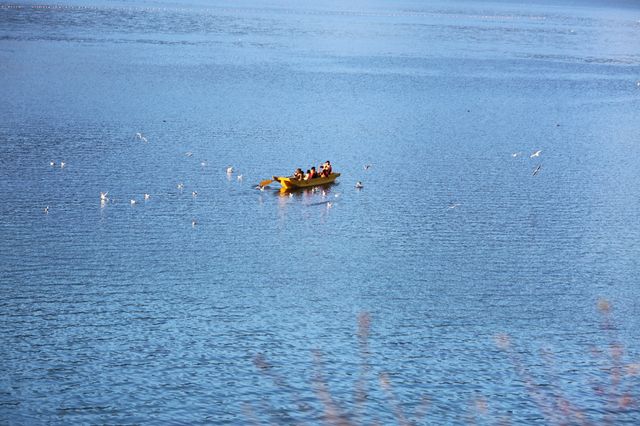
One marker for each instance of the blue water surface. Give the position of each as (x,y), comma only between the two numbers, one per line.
(457,286)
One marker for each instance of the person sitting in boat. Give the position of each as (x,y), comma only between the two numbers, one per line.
(312,174)
(298,175)
(326,169)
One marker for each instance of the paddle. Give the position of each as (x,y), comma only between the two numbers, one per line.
(266,182)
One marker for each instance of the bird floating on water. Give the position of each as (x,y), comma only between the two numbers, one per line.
(46,210)
(239,177)
(180,186)
(193,223)
(62,164)
(535,172)
(188,153)
(516,154)
(536,154)
(133,202)
(359,185)
(366,166)
(329,204)
(229,169)
(52,163)
(194,194)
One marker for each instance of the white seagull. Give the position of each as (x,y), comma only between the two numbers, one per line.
(366,166)
(147,196)
(180,186)
(141,137)
(193,223)
(133,202)
(194,194)
(229,169)
(239,178)
(359,185)
(46,210)
(52,163)
(103,196)
(62,164)
(536,154)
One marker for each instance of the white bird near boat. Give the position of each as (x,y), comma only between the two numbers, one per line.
(141,137)
(536,154)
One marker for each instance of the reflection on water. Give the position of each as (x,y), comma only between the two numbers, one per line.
(210,301)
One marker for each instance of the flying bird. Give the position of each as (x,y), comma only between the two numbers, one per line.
(141,137)
(359,185)
(536,154)
(535,172)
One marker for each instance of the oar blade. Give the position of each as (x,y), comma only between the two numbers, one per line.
(265,182)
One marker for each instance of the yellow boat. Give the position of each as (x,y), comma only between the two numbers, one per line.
(291,183)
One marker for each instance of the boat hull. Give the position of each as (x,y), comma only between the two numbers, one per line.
(290,183)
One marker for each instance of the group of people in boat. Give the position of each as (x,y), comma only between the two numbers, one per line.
(325,171)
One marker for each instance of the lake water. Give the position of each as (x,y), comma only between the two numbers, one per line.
(455,287)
